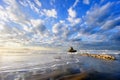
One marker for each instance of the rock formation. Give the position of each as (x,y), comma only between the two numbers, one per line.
(100,56)
(72,50)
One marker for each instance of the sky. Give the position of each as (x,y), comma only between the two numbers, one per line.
(85,24)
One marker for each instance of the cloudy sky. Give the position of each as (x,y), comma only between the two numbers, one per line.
(82,23)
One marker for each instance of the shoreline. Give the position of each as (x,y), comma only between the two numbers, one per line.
(86,65)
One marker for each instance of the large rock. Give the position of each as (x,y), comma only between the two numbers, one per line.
(72,50)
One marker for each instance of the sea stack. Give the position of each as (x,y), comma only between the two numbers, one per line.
(72,50)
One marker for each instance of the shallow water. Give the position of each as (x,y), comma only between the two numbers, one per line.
(24,60)
(25,66)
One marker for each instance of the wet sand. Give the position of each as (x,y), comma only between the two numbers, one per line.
(60,75)
(92,76)
(72,74)
(74,68)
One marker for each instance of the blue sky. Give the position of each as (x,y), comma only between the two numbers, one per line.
(86,24)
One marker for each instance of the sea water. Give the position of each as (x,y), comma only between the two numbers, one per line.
(21,66)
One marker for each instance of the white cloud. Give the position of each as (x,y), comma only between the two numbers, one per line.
(57,28)
(101,22)
(86,2)
(74,21)
(13,14)
(3,14)
(38,3)
(36,22)
(38,27)
(18,28)
(63,32)
(12,44)
(75,3)
(2,26)
(50,13)
(71,13)
(110,24)
(72,17)
(97,14)
(60,30)
(14,22)
(40,32)
(35,6)
(23,3)
(32,6)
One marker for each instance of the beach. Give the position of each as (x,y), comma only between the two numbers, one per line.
(58,66)
(59,39)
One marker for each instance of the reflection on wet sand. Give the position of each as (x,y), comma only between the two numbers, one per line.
(92,76)
(61,67)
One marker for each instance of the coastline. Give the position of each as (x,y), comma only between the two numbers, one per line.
(69,67)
